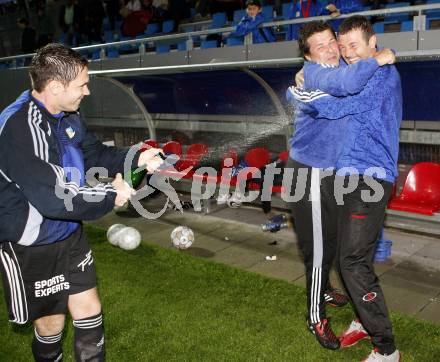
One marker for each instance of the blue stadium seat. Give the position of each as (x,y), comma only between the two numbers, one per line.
(432,13)
(62,38)
(106,24)
(238,15)
(268,12)
(396,17)
(208,44)
(108,36)
(285,10)
(95,53)
(218,21)
(163,48)
(112,53)
(379,27)
(398,4)
(167,26)
(232,41)
(181,46)
(151,29)
(126,47)
(407,25)
(429,22)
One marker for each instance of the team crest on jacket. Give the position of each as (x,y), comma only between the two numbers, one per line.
(70,132)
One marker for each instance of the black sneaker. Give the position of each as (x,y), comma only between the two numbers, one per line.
(335,298)
(324,334)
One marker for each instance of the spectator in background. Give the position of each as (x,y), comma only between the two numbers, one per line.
(94,14)
(136,22)
(28,36)
(312,8)
(52,10)
(250,24)
(338,7)
(304,9)
(179,10)
(161,10)
(112,7)
(45,27)
(345,7)
(202,9)
(71,22)
(129,7)
(227,6)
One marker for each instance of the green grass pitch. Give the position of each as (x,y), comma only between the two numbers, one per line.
(165,305)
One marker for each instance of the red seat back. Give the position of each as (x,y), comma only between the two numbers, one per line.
(194,154)
(172,147)
(422,184)
(283,156)
(233,155)
(257,157)
(196,151)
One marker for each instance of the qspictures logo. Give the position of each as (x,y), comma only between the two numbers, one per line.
(44,288)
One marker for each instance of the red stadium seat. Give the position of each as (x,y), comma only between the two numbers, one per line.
(194,154)
(283,156)
(231,154)
(421,192)
(172,148)
(257,157)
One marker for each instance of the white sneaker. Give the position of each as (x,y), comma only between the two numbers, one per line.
(377,357)
(223,199)
(235,200)
(353,334)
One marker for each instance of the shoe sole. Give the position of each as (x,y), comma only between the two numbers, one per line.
(336,305)
(351,345)
(323,345)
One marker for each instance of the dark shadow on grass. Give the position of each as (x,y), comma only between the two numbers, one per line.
(129,213)
(24,330)
(200,252)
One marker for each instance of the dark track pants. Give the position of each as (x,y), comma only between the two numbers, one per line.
(359,226)
(315,220)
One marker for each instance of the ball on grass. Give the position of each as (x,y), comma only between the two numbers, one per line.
(182,237)
(113,232)
(129,238)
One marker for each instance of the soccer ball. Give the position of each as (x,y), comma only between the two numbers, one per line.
(129,238)
(182,237)
(113,233)
(235,200)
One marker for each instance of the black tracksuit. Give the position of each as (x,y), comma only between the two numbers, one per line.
(359,226)
(315,220)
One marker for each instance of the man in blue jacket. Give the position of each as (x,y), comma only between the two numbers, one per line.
(368,156)
(312,8)
(46,263)
(315,149)
(303,9)
(250,24)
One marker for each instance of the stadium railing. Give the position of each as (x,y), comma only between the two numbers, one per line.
(419,24)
